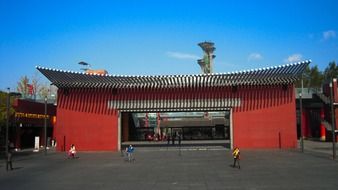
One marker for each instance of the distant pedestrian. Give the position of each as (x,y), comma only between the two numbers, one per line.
(130,152)
(9,164)
(72,151)
(168,139)
(236,154)
(179,139)
(53,142)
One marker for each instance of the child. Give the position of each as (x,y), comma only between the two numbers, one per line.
(72,151)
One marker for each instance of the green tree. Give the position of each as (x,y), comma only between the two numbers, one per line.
(316,77)
(3,109)
(331,71)
(312,78)
(3,100)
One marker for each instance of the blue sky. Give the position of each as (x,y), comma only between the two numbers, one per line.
(160,37)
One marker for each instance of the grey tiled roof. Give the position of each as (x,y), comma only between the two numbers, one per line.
(283,74)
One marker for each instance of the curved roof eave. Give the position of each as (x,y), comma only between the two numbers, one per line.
(283,74)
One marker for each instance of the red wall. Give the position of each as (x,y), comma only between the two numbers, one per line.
(83,119)
(266,118)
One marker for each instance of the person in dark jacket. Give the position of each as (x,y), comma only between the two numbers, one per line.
(10,156)
(179,138)
(168,139)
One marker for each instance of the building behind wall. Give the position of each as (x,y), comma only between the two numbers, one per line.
(316,112)
(27,122)
(189,125)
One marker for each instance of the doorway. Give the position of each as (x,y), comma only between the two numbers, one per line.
(191,125)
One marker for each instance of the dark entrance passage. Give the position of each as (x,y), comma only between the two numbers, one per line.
(188,125)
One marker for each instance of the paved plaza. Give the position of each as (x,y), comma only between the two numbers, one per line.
(160,168)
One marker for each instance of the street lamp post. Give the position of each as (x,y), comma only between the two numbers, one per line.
(333,123)
(7,123)
(301,114)
(45,125)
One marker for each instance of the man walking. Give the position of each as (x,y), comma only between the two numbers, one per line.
(179,139)
(9,156)
(130,151)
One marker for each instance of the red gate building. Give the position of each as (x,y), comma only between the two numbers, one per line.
(261,102)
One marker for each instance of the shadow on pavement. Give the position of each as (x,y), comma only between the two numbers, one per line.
(17,168)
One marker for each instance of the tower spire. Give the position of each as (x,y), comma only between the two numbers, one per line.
(208,58)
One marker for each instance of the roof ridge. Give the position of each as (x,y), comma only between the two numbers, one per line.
(181,75)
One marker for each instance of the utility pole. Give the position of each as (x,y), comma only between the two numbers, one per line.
(7,124)
(301,117)
(333,122)
(45,125)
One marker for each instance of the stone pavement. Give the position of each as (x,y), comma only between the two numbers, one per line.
(319,147)
(172,168)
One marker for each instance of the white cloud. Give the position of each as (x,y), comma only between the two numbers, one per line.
(294,58)
(254,57)
(179,55)
(329,34)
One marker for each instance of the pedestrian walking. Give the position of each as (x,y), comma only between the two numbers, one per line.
(236,154)
(9,164)
(130,151)
(179,136)
(179,139)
